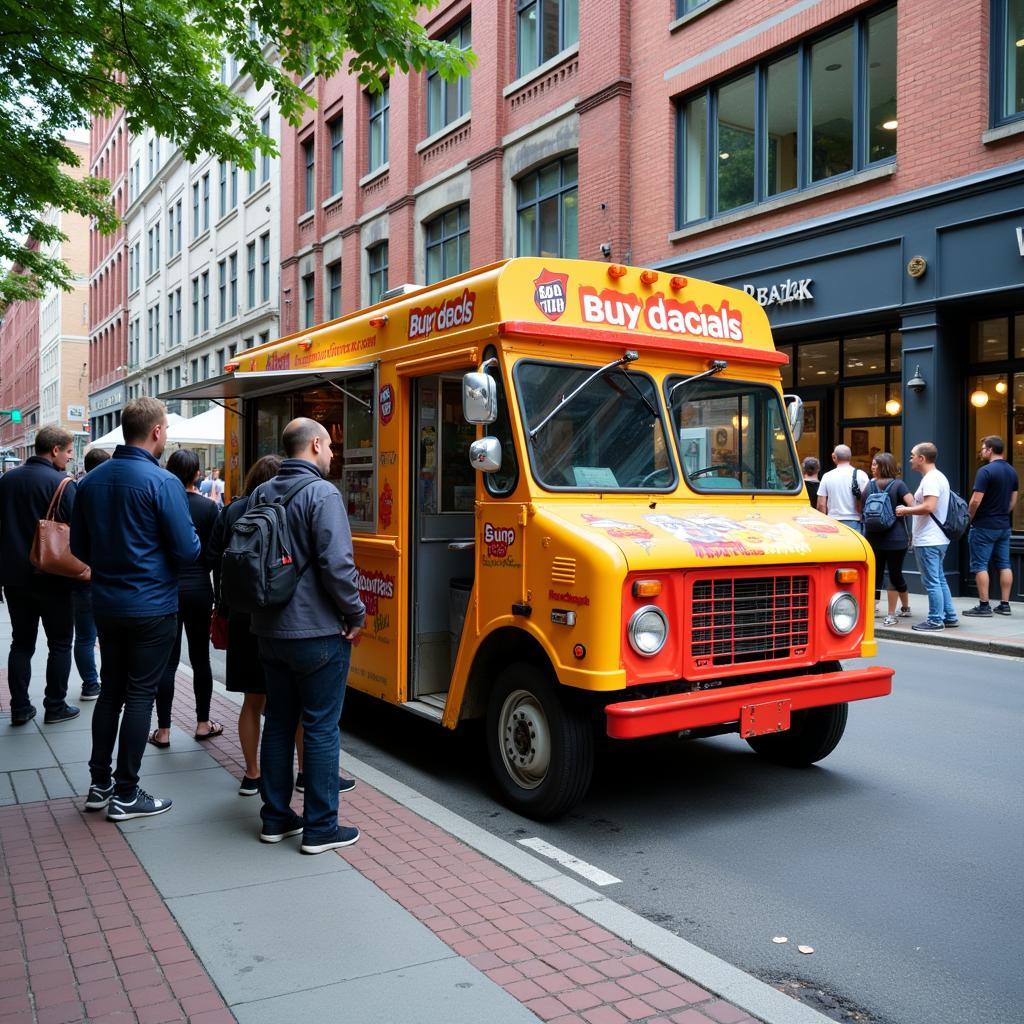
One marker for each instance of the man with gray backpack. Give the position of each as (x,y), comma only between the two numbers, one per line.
(289,562)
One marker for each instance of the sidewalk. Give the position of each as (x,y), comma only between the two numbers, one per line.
(186,916)
(1001,634)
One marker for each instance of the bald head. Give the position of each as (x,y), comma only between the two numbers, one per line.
(841,453)
(306,439)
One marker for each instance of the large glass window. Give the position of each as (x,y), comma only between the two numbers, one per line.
(334,290)
(308,148)
(881,105)
(694,164)
(831,99)
(337,128)
(377,265)
(448,101)
(609,437)
(736,144)
(1007,60)
(547,210)
(308,300)
(544,29)
(380,106)
(448,244)
(781,154)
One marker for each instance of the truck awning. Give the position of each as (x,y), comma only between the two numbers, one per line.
(263,382)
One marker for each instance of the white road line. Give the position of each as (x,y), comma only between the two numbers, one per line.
(567,860)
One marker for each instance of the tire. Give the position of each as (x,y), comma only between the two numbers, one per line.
(811,737)
(540,747)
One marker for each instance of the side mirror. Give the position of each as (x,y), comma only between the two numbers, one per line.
(479,398)
(485,455)
(795,408)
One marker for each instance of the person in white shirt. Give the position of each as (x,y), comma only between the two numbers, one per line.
(931,505)
(841,490)
(217,488)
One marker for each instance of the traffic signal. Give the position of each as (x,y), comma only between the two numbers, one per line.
(15,414)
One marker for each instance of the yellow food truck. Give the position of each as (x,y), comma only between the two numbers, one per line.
(577,509)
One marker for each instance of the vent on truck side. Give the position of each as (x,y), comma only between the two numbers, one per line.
(563,571)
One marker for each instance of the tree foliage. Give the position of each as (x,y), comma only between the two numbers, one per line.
(63,62)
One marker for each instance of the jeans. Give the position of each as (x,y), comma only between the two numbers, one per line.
(989,546)
(134,653)
(194,609)
(47,600)
(85,635)
(940,601)
(305,682)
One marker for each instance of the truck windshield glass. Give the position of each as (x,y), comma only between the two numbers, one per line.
(732,436)
(610,437)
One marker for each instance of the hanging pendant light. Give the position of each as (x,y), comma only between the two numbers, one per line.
(892,407)
(979,398)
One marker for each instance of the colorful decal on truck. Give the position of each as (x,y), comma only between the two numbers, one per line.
(816,524)
(385,505)
(374,588)
(498,544)
(550,293)
(386,404)
(622,531)
(454,312)
(721,537)
(660,313)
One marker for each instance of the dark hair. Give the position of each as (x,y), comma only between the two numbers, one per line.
(184,464)
(93,457)
(297,436)
(887,468)
(49,438)
(139,418)
(994,443)
(262,470)
(810,466)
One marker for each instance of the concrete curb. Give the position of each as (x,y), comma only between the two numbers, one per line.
(960,643)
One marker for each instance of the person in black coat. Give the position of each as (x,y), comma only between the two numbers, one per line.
(32,596)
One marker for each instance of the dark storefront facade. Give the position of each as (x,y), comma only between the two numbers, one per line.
(904,321)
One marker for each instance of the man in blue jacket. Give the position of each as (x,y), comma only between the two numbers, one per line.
(32,596)
(131,523)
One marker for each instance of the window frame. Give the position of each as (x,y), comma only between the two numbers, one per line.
(562,189)
(375,271)
(250,273)
(460,35)
(378,109)
(521,7)
(440,243)
(336,164)
(307,150)
(333,290)
(308,283)
(999,16)
(265,267)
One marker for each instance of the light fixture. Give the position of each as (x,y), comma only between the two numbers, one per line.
(723,156)
(917,383)
(1001,387)
(892,407)
(891,125)
(979,398)
(740,421)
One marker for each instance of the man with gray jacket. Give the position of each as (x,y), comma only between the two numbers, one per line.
(306,646)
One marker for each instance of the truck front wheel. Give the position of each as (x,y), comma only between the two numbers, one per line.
(540,746)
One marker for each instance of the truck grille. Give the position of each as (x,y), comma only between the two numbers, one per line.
(735,621)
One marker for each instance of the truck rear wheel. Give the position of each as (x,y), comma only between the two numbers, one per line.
(540,747)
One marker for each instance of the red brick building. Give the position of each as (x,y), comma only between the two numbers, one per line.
(19,376)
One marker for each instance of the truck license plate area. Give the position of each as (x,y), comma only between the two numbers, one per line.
(761,719)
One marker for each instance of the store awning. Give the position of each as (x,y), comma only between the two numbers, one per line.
(205,429)
(263,382)
(114,437)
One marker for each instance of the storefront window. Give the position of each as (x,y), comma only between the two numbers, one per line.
(781,126)
(1018,439)
(990,340)
(819,364)
(895,352)
(787,370)
(864,357)
(735,164)
(868,401)
(273,414)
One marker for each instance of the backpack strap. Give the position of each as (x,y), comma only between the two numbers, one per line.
(294,489)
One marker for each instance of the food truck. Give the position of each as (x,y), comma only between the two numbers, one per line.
(577,510)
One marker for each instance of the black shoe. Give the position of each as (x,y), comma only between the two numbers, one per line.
(928,626)
(951,623)
(1003,608)
(344,785)
(249,787)
(141,805)
(65,714)
(345,836)
(99,797)
(979,611)
(90,691)
(23,716)
(274,833)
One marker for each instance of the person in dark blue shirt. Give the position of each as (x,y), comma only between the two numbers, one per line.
(996,488)
(131,523)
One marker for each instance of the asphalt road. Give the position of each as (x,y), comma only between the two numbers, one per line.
(900,859)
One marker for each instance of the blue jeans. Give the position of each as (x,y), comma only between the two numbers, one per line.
(940,601)
(85,636)
(305,682)
(989,546)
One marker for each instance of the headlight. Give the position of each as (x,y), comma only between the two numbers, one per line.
(842,613)
(648,630)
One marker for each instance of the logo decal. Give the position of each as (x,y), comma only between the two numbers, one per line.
(498,540)
(386,404)
(454,312)
(549,292)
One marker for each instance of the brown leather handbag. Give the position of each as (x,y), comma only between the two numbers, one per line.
(51,546)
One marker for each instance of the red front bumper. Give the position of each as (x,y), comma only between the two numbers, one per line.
(634,718)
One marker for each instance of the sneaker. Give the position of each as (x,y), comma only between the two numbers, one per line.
(141,805)
(274,834)
(90,691)
(249,787)
(1003,608)
(344,785)
(23,716)
(890,620)
(99,797)
(951,623)
(928,626)
(982,610)
(905,613)
(64,714)
(345,836)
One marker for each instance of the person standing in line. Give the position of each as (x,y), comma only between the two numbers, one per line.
(841,490)
(132,525)
(85,624)
(930,508)
(996,488)
(206,487)
(195,603)
(810,468)
(890,546)
(217,488)
(32,596)
(306,647)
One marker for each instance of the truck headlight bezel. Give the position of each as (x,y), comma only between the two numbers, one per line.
(843,607)
(637,627)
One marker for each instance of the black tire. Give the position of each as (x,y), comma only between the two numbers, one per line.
(539,780)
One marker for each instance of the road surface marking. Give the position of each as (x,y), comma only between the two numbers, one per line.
(567,860)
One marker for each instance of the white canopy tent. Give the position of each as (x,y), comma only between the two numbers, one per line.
(112,439)
(205,429)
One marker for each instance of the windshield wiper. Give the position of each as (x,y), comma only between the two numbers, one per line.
(716,367)
(630,356)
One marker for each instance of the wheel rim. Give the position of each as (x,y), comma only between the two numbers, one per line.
(524,739)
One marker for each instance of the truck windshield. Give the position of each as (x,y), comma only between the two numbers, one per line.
(606,439)
(732,436)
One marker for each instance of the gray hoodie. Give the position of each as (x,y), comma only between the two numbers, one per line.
(326,601)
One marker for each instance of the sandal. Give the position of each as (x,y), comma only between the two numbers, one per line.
(157,743)
(215,730)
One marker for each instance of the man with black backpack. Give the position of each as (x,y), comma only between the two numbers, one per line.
(306,611)
(841,491)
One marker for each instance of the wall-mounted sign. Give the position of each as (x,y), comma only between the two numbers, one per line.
(783,293)
(106,400)
(76,412)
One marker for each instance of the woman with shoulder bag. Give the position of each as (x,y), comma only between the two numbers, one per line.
(889,544)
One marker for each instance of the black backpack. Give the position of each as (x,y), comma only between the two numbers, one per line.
(957,518)
(257,568)
(878,514)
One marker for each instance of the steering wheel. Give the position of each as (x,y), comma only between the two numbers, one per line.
(650,476)
(712,469)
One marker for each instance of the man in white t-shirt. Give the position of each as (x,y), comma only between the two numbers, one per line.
(931,505)
(217,488)
(837,495)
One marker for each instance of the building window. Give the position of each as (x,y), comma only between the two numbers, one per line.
(334,290)
(547,210)
(250,273)
(309,171)
(153,331)
(544,28)
(206,200)
(688,6)
(233,277)
(1007,60)
(195,306)
(308,298)
(337,153)
(448,244)
(247,342)
(447,101)
(824,110)
(174,317)
(153,249)
(222,291)
(264,337)
(222,190)
(380,105)
(206,367)
(233,186)
(133,267)
(377,262)
(175,229)
(195,210)
(206,300)
(265,267)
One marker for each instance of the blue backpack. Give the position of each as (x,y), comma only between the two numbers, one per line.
(878,513)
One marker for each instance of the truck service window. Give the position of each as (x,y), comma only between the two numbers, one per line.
(732,436)
(610,437)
